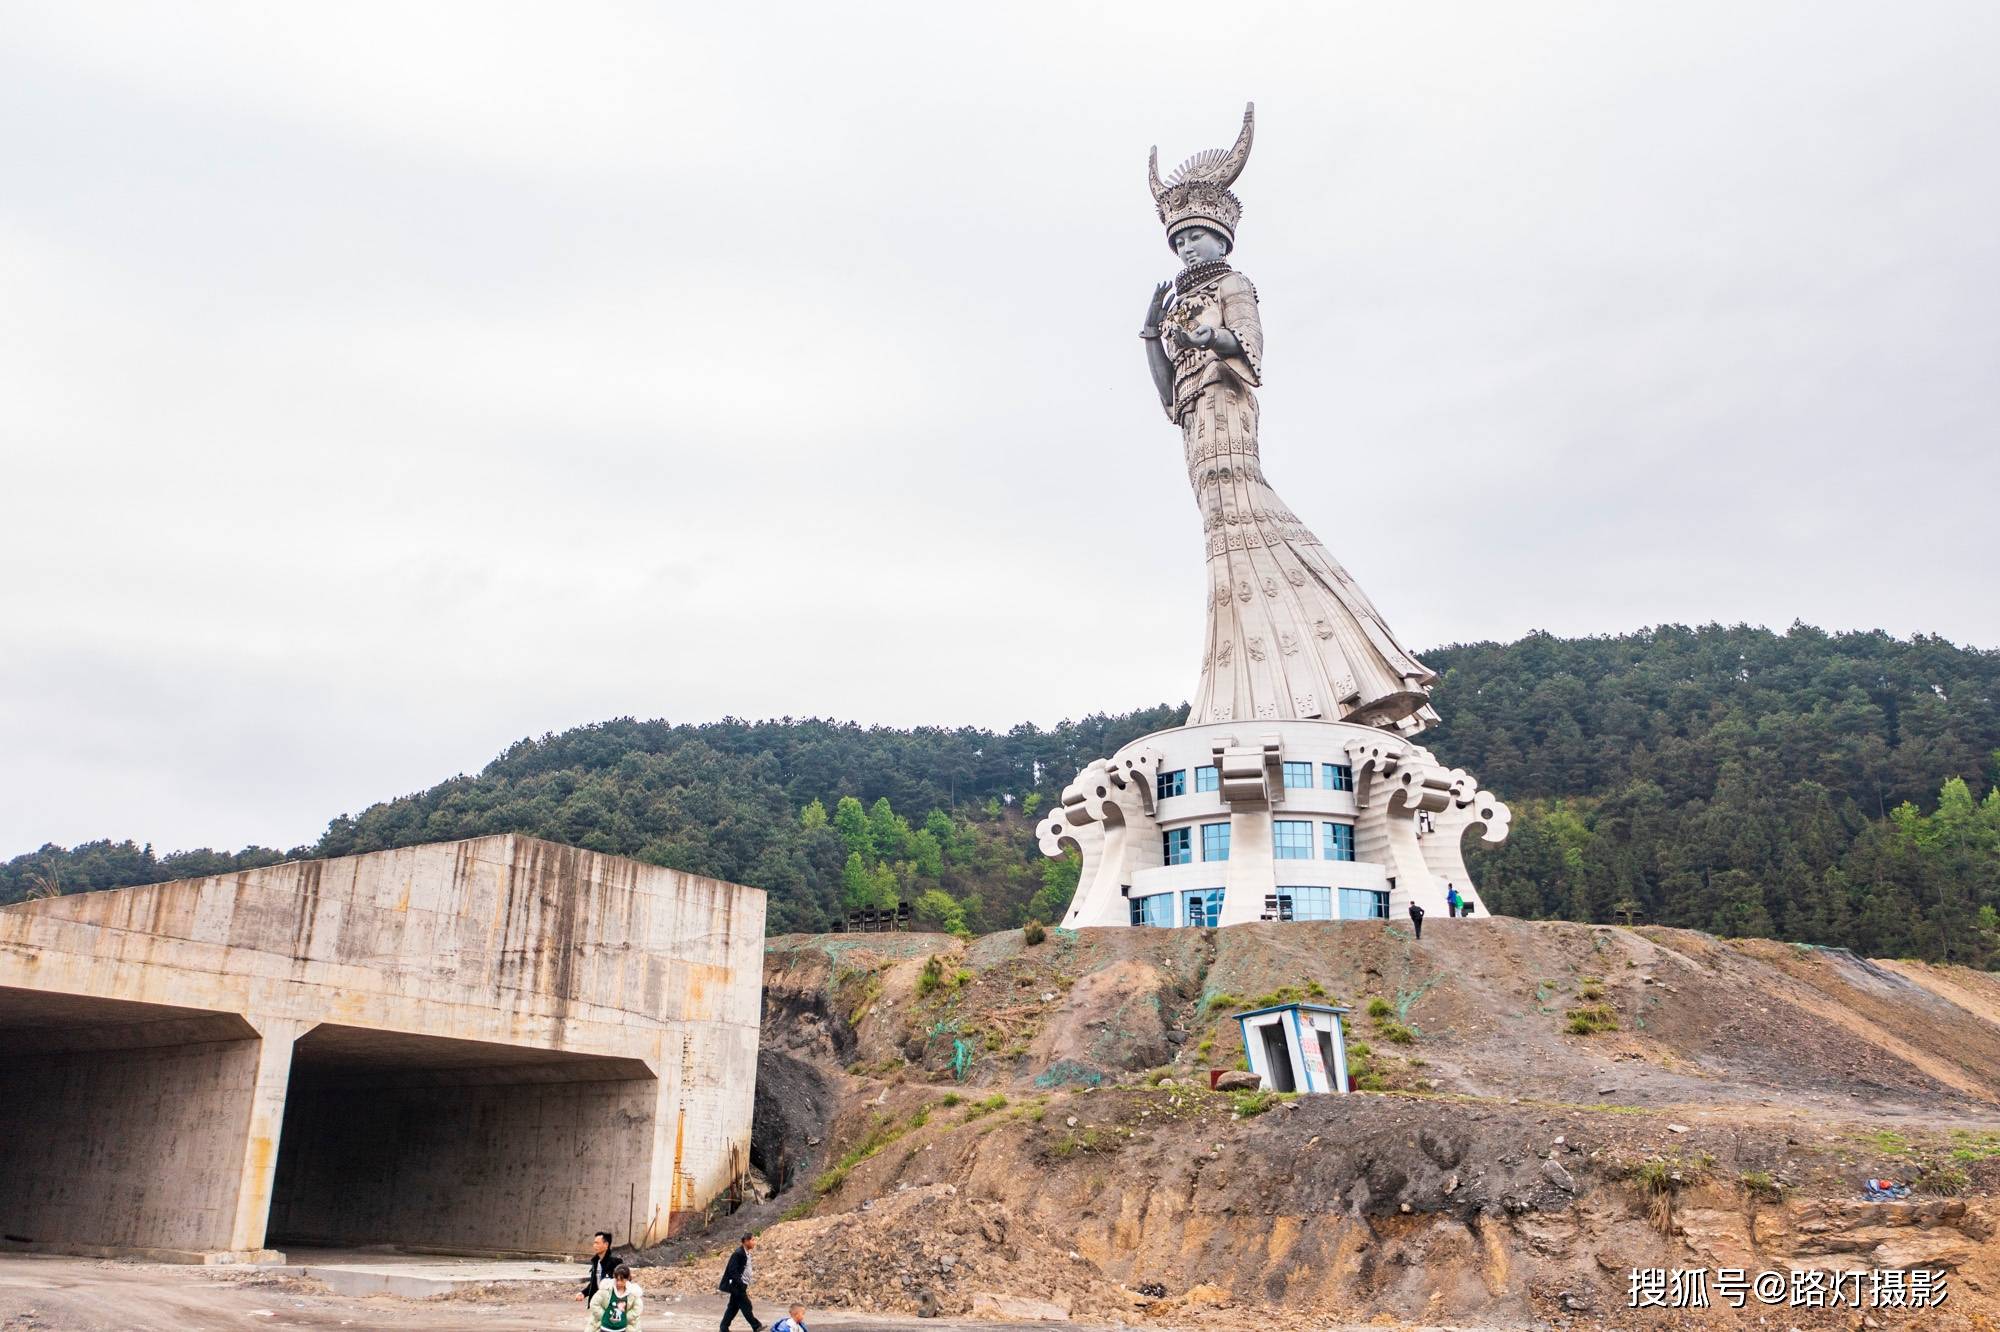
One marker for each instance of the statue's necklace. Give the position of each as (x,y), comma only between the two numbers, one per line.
(1198,275)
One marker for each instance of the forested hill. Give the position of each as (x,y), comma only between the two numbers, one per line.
(1833,789)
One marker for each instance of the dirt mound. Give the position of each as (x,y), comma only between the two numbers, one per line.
(926,1250)
(1722,1102)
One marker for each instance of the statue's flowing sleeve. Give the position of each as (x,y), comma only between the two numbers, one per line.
(1239,316)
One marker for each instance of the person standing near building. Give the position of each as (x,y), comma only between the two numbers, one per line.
(1417,918)
(793,1321)
(602,1264)
(736,1285)
(1451,902)
(618,1303)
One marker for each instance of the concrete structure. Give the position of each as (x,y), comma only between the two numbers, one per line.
(496,1045)
(1296,1047)
(1296,789)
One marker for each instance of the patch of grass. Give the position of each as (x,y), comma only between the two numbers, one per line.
(1591,992)
(1590,1019)
(1250,1104)
(871,990)
(1204,1045)
(1362,1074)
(950,1099)
(1154,1077)
(1396,1033)
(1661,1178)
(997,1101)
(1888,1142)
(1760,1185)
(1315,989)
(1217,1002)
(1967,1146)
(1033,933)
(1378,1007)
(1944,1181)
(1088,1138)
(798,1209)
(883,1132)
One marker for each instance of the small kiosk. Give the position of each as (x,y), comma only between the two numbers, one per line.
(1296,1047)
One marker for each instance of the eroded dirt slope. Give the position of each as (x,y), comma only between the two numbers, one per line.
(1035,1121)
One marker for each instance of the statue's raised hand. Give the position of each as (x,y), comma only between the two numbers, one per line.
(1156,308)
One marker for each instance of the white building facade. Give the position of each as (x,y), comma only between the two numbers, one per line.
(1294,820)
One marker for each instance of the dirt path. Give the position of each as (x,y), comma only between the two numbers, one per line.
(47,1294)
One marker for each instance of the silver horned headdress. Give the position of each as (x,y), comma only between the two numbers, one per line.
(1197,193)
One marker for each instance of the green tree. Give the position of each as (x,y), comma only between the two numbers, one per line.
(888,831)
(937,909)
(857,884)
(850,820)
(927,854)
(1059,879)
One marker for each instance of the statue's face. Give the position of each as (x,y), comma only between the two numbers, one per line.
(1198,245)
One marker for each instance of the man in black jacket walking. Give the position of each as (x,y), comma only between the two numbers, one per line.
(602,1265)
(1417,918)
(736,1285)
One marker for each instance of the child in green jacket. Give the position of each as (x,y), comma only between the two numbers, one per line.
(617,1304)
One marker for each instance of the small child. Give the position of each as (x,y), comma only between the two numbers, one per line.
(617,1305)
(793,1321)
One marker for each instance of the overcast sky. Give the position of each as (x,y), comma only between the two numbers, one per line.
(380,384)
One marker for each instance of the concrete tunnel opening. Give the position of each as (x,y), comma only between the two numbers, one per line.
(120,1122)
(446,1145)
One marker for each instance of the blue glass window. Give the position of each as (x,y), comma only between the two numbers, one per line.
(1298,776)
(1215,841)
(1363,904)
(1336,776)
(1157,910)
(1177,845)
(1339,841)
(1172,783)
(1291,839)
(1308,902)
(1207,778)
(1201,908)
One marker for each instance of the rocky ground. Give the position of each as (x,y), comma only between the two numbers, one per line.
(1034,1121)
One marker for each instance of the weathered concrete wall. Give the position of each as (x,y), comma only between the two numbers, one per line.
(140,1148)
(507,949)
(523,1167)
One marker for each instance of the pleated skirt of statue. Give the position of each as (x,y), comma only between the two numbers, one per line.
(1290,635)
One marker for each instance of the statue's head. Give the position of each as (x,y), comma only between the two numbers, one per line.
(1195,199)
(1199,244)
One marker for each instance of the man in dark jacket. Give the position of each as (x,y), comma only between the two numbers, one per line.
(736,1285)
(602,1265)
(1417,918)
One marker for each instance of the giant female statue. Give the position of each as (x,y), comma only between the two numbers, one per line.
(1289,633)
